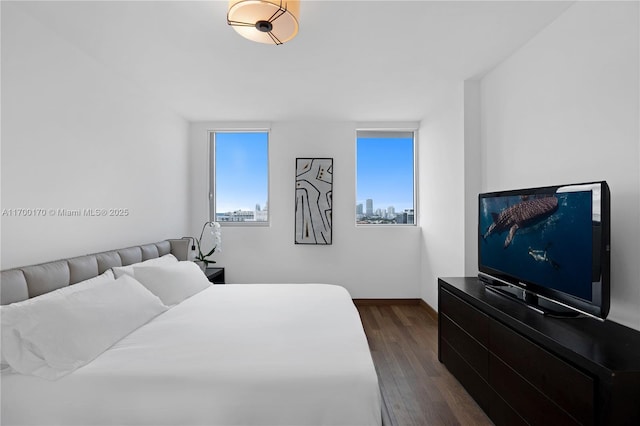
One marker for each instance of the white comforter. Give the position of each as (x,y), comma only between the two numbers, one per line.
(251,354)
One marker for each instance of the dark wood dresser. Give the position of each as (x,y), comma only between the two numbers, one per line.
(525,368)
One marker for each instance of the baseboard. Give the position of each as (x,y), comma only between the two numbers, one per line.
(369,302)
(386,302)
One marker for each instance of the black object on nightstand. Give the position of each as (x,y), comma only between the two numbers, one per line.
(215,275)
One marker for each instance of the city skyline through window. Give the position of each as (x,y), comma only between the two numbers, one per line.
(385,177)
(241,179)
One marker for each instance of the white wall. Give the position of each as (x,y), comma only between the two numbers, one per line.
(76,135)
(371,262)
(565,108)
(472,173)
(442,191)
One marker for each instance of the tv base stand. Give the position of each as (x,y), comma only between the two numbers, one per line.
(526,368)
(533,302)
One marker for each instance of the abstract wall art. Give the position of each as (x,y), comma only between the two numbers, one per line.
(314,200)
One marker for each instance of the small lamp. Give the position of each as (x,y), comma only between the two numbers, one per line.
(265,21)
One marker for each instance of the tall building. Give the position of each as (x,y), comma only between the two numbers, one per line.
(408,213)
(369,210)
(359,208)
(262,215)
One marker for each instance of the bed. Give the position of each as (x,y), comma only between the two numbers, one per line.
(240,354)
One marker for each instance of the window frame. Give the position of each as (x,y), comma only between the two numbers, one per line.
(212,175)
(388,130)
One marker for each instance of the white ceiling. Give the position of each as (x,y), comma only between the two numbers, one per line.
(352,60)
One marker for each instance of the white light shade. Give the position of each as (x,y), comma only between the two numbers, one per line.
(265,21)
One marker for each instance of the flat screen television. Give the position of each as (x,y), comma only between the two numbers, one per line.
(548,247)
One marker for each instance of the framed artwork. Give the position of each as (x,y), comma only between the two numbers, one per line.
(314,200)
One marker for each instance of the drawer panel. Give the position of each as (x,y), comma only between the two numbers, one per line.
(525,399)
(466,316)
(503,415)
(476,355)
(467,376)
(568,387)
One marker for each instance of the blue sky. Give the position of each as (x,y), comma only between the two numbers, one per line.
(241,171)
(384,171)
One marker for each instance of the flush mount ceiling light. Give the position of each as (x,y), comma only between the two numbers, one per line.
(265,21)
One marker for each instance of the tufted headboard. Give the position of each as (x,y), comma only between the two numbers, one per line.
(30,281)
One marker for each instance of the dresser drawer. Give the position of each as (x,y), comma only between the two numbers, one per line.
(502,414)
(560,382)
(476,355)
(529,402)
(477,387)
(475,323)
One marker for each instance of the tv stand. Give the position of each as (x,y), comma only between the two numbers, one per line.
(532,301)
(526,368)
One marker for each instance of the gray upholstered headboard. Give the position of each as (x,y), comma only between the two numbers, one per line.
(30,281)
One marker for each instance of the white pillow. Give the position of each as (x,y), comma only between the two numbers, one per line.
(64,291)
(162,260)
(172,283)
(52,335)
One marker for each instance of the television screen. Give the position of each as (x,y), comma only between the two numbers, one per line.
(552,241)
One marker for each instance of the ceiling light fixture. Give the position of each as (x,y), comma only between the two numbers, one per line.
(265,21)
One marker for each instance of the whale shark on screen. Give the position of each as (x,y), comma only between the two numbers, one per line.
(521,215)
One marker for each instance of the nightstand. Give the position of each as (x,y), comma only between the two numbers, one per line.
(215,275)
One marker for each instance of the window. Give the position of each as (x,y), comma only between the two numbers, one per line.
(385,177)
(239,177)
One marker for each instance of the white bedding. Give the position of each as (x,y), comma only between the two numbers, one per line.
(248,354)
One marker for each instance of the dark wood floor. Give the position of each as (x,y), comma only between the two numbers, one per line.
(416,389)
